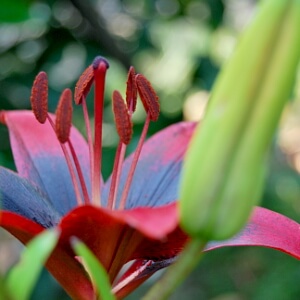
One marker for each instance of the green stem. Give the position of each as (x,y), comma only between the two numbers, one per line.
(176,273)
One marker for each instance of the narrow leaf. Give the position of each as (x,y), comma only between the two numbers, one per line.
(95,269)
(24,275)
(3,290)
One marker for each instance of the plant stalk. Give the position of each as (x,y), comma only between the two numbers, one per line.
(176,273)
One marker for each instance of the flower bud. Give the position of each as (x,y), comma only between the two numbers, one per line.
(223,173)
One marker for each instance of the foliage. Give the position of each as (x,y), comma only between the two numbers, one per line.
(22,277)
(96,270)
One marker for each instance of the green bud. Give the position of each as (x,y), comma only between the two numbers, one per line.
(223,173)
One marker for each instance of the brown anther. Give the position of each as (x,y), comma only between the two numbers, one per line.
(64,116)
(84,84)
(122,118)
(131,90)
(148,96)
(39,97)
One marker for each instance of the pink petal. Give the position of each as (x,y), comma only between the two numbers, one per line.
(269,229)
(39,158)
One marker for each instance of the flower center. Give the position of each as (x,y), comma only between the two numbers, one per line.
(137,84)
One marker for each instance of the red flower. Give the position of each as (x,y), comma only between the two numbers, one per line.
(132,216)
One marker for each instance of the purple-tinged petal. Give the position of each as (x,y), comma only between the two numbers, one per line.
(156,177)
(39,158)
(18,195)
(269,229)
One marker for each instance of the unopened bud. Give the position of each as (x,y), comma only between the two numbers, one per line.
(223,173)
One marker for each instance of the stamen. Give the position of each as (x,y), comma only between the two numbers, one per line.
(135,159)
(100,66)
(79,172)
(131,90)
(84,84)
(115,177)
(150,101)
(122,113)
(70,166)
(64,116)
(122,118)
(148,96)
(39,97)
(63,125)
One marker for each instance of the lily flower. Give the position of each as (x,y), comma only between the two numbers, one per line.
(132,217)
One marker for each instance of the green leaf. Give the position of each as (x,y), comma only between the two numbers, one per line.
(3,290)
(14,11)
(95,269)
(24,275)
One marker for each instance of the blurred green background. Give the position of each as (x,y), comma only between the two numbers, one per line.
(180,45)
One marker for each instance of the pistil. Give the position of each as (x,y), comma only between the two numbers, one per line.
(100,66)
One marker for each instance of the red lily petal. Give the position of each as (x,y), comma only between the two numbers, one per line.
(39,158)
(117,237)
(23,229)
(269,229)
(155,223)
(156,177)
(61,264)
(265,229)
